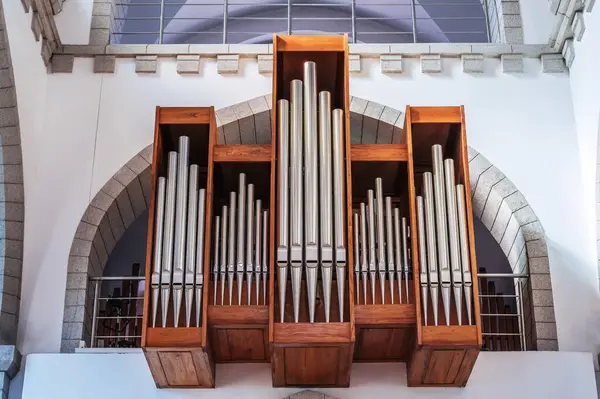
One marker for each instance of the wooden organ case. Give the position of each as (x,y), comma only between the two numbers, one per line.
(227,316)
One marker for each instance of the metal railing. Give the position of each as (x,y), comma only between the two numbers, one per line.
(254,21)
(501,297)
(117,313)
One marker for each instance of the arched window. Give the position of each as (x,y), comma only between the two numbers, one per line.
(255,21)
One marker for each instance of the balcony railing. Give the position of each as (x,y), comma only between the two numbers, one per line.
(503,311)
(255,21)
(117,312)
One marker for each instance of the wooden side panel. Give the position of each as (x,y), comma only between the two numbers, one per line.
(377,344)
(435,114)
(311,366)
(156,369)
(240,345)
(177,368)
(184,115)
(243,153)
(379,152)
(174,337)
(444,367)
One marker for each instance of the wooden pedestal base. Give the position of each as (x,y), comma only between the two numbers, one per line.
(304,355)
(183,364)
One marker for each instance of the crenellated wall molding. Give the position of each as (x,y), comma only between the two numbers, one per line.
(228,56)
(43,26)
(569,25)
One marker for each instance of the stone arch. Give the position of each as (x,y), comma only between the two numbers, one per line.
(496,201)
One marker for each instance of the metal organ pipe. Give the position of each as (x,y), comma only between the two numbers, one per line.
(310,184)
(231,246)
(326,208)
(390,244)
(338,204)
(199,269)
(422,256)
(380,237)
(241,215)
(180,225)
(265,256)
(258,246)
(216,263)
(356,227)
(431,242)
(405,257)
(371,228)
(464,248)
(456,274)
(398,250)
(364,265)
(158,246)
(283,158)
(297,203)
(224,249)
(441,227)
(250,239)
(190,243)
(167,252)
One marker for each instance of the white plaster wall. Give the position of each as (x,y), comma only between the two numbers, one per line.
(532,375)
(537,21)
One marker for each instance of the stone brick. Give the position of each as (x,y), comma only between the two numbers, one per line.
(99,36)
(10,136)
(11,174)
(10,303)
(450,49)
(167,49)
(79,264)
(10,285)
(11,154)
(126,49)
(248,49)
(101,9)
(75,297)
(6,79)
(491,50)
(13,267)
(113,188)
(265,63)
(512,21)
(545,330)
(544,314)
(589,5)
(86,231)
(9,116)
(102,201)
(136,195)
(72,330)
(83,49)
(431,63)
(80,247)
(513,35)
(512,63)
(472,63)
(36,26)
(409,49)
(517,248)
(104,64)
(188,64)
(537,248)
(578,26)
(228,63)
(487,179)
(354,63)
(540,282)
(568,52)
(539,265)
(106,233)
(138,164)
(553,63)
(100,22)
(533,231)
(368,49)
(510,234)
(12,248)
(100,249)
(146,63)
(77,281)
(515,201)
(69,345)
(547,345)
(510,7)
(8,98)
(209,49)
(542,298)
(9,324)
(74,314)
(391,63)
(145,179)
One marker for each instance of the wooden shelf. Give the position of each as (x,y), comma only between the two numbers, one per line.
(379,152)
(242,153)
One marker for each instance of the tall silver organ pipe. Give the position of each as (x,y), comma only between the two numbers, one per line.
(283,158)
(258,247)
(180,224)
(441,227)
(464,248)
(398,251)
(371,228)
(241,222)
(326,217)
(455,264)
(405,257)
(297,200)
(389,230)
(199,269)
(169,227)
(250,239)
(339,188)
(224,249)
(431,242)
(158,245)
(216,263)
(356,227)
(231,244)
(380,236)
(364,265)
(265,253)
(190,242)
(310,185)
(422,256)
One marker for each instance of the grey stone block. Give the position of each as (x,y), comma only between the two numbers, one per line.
(10,135)
(248,49)
(10,285)
(512,21)
(578,26)
(391,63)
(545,330)
(11,154)
(146,63)
(547,345)
(79,264)
(146,153)
(513,35)
(539,265)
(136,196)
(69,345)
(113,188)
(188,64)
(537,248)
(75,297)
(138,164)
(515,201)
(83,49)
(540,282)
(533,231)
(125,209)
(124,175)
(510,234)
(26,5)
(525,215)
(77,281)
(80,248)
(6,79)
(11,173)
(515,252)
(12,248)
(10,360)
(230,126)
(9,117)
(568,52)
(126,49)
(10,304)
(102,201)
(106,233)
(116,222)
(74,314)
(307,394)
(167,49)
(86,231)
(542,298)
(101,9)
(12,230)
(209,49)
(36,26)
(477,166)
(354,63)
(100,248)
(368,50)
(512,63)
(145,180)
(371,122)
(99,36)
(104,64)
(589,5)
(13,267)
(491,50)
(72,331)
(265,64)
(8,99)
(487,179)
(450,49)
(409,49)
(101,22)
(544,314)
(472,63)
(387,121)
(510,7)
(431,63)
(228,63)
(9,324)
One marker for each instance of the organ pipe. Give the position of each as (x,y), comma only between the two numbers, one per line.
(338,204)
(180,225)
(431,242)
(190,242)
(464,249)
(258,247)
(371,228)
(297,203)
(380,236)
(453,239)
(224,249)
(216,255)
(283,173)
(167,262)
(199,268)
(158,246)
(241,220)
(231,244)
(363,248)
(422,256)
(326,208)
(250,239)
(389,244)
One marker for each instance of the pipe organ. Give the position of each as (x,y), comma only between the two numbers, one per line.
(249,245)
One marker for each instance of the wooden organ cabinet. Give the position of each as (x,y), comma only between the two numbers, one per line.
(332,263)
